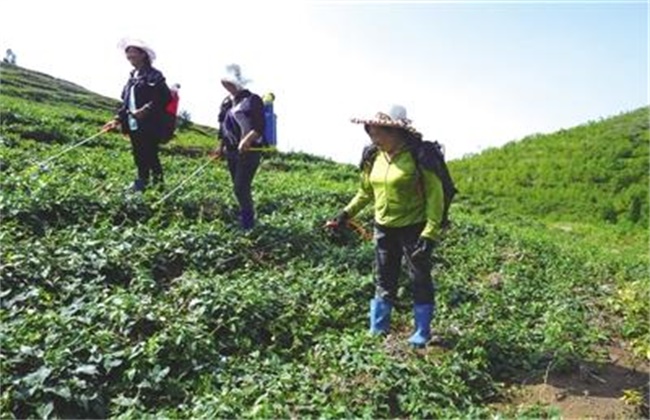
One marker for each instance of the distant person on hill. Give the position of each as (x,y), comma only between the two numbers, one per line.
(10,57)
(144,98)
(241,127)
(408,204)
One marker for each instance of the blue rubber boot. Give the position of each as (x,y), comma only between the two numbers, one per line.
(380,316)
(138,185)
(422,314)
(247,219)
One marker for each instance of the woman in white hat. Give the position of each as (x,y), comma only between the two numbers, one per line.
(144,98)
(408,204)
(241,127)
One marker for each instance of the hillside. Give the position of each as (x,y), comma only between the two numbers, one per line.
(132,306)
(594,173)
(77,107)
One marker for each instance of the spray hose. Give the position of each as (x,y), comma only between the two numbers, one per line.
(183,182)
(352,224)
(66,150)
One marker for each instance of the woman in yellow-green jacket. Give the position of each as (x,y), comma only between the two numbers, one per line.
(408,207)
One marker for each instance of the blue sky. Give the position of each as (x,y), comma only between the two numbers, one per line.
(471,74)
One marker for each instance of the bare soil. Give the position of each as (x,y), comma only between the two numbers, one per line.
(591,391)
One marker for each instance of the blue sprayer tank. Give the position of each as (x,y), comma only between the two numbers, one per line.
(270,121)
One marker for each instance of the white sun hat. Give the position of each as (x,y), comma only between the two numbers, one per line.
(233,75)
(132,42)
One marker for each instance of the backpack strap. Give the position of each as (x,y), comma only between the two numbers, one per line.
(225,106)
(429,155)
(415,151)
(368,158)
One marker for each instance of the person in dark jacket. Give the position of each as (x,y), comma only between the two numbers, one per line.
(241,127)
(144,98)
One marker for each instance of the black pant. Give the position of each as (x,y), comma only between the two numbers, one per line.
(242,167)
(145,155)
(391,244)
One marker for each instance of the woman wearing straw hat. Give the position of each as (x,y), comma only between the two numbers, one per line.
(408,204)
(144,98)
(241,128)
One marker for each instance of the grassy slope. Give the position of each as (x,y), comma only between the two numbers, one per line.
(112,304)
(591,176)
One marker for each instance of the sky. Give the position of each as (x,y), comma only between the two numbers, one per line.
(471,74)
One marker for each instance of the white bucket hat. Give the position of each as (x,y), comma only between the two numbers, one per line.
(233,75)
(130,42)
(395,117)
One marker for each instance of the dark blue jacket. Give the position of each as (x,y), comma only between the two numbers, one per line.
(240,115)
(150,88)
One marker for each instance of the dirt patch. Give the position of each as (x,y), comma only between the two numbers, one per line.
(591,391)
(594,391)
(397,345)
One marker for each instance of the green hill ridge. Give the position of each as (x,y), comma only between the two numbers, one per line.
(122,305)
(596,172)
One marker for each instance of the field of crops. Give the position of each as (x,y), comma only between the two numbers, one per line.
(123,305)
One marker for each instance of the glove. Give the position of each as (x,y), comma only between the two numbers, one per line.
(217,153)
(342,219)
(423,248)
(111,125)
(339,222)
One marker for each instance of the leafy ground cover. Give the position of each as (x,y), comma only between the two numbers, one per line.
(122,305)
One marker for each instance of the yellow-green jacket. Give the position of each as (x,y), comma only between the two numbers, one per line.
(403,195)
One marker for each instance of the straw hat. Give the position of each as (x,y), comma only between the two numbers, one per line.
(394,117)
